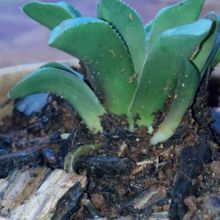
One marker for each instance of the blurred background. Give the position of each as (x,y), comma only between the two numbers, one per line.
(24,41)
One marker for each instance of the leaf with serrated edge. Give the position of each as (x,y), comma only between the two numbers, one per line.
(185,92)
(130,26)
(94,42)
(175,15)
(163,67)
(68,87)
(50,14)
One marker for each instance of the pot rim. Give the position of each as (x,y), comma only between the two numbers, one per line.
(9,76)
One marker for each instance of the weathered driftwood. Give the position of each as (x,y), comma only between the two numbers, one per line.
(37,193)
(9,76)
(14,189)
(40,193)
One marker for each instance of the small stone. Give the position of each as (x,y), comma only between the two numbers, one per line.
(141,131)
(200,178)
(190,202)
(98,200)
(161,176)
(123,148)
(215,169)
(32,104)
(161,146)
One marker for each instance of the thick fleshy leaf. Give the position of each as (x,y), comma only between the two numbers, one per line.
(185,92)
(216,58)
(68,87)
(130,26)
(50,14)
(208,49)
(64,67)
(163,66)
(175,15)
(94,42)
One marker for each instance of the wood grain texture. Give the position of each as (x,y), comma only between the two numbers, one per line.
(36,193)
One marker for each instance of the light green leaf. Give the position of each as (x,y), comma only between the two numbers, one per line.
(73,156)
(68,87)
(185,92)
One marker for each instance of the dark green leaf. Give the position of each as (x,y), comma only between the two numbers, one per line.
(129,24)
(94,42)
(175,15)
(50,14)
(163,66)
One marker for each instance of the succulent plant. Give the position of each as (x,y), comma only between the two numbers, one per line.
(134,69)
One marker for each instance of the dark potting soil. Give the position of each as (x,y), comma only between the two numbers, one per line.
(179,179)
(35,139)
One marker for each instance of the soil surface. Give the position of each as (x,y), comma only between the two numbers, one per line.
(127,177)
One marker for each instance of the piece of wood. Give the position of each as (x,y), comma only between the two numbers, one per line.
(39,193)
(19,186)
